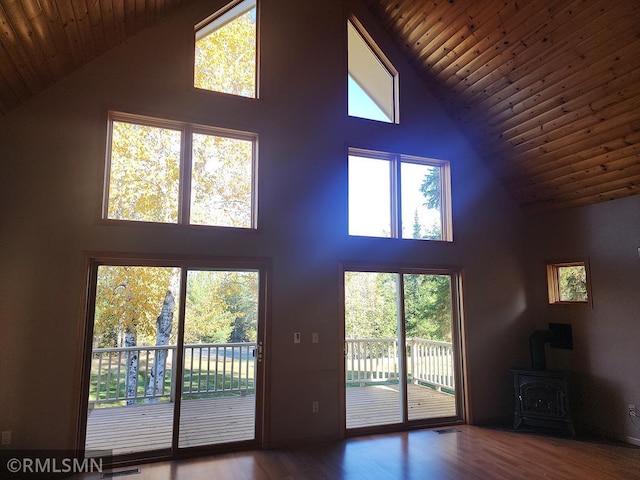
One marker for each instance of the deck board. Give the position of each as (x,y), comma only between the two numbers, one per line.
(230,419)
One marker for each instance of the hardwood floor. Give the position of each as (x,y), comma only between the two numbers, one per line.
(465,452)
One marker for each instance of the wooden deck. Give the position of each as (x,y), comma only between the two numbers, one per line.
(380,405)
(231,419)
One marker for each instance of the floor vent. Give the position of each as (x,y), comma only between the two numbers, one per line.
(447,430)
(121,473)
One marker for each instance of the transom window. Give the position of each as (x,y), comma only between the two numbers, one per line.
(226,51)
(372,80)
(170,172)
(398,196)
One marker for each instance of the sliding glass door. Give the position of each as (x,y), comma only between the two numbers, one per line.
(402,349)
(175,356)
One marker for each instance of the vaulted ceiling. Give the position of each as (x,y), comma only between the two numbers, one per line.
(548,91)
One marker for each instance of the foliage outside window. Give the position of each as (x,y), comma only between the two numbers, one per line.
(398,196)
(372,81)
(225,51)
(147,173)
(568,282)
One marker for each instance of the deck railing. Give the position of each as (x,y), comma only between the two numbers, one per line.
(124,374)
(377,360)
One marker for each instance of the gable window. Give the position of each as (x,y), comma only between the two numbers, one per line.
(569,282)
(372,80)
(398,196)
(226,51)
(169,172)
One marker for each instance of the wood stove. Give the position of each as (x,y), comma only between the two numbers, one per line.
(541,395)
(542,399)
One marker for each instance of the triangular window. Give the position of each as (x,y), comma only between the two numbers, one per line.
(226,51)
(372,80)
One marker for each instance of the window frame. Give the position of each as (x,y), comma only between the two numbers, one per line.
(553,281)
(219,19)
(395,164)
(352,21)
(187,130)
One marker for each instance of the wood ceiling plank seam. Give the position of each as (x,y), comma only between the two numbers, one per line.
(150,13)
(393,10)
(81,15)
(129,18)
(9,98)
(16,52)
(615,127)
(527,112)
(108,24)
(19,88)
(41,36)
(506,99)
(465,38)
(592,172)
(72,32)
(540,208)
(119,20)
(56,36)
(411,17)
(490,58)
(617,90)
(611,153)
(488,78)
(623,168)
(588,150)
(602,188)
(431,42)
(491,40)
(141,18)
(557,120)
(23,33)
(479,28)
(581,119)
(96,23)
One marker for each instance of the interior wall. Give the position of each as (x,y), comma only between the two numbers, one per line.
(53,154)
(605,356)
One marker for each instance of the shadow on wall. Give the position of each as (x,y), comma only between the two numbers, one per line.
(594,394)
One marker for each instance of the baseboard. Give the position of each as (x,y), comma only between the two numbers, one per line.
(634,441)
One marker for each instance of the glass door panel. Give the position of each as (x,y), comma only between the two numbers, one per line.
(429,350)
(132,359)
(218,402)
(372,355)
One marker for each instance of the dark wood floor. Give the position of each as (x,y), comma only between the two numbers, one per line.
(462,452)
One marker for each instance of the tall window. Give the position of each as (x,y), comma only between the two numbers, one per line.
(398,196)
(226,51)
(372,80)
(167,172)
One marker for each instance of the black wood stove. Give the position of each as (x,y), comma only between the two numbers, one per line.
(541,395)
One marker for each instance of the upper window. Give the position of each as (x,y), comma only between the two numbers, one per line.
(372,80)
(167,172)
(226,46)
(398,196)
(568,282)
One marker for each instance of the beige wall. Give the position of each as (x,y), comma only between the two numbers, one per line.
(52,157)
(606,354)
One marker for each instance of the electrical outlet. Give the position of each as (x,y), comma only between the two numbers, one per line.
(6,437)
(314,337)
(315,406)
(296,337)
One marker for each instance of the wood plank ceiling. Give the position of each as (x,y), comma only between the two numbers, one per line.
(548,91)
